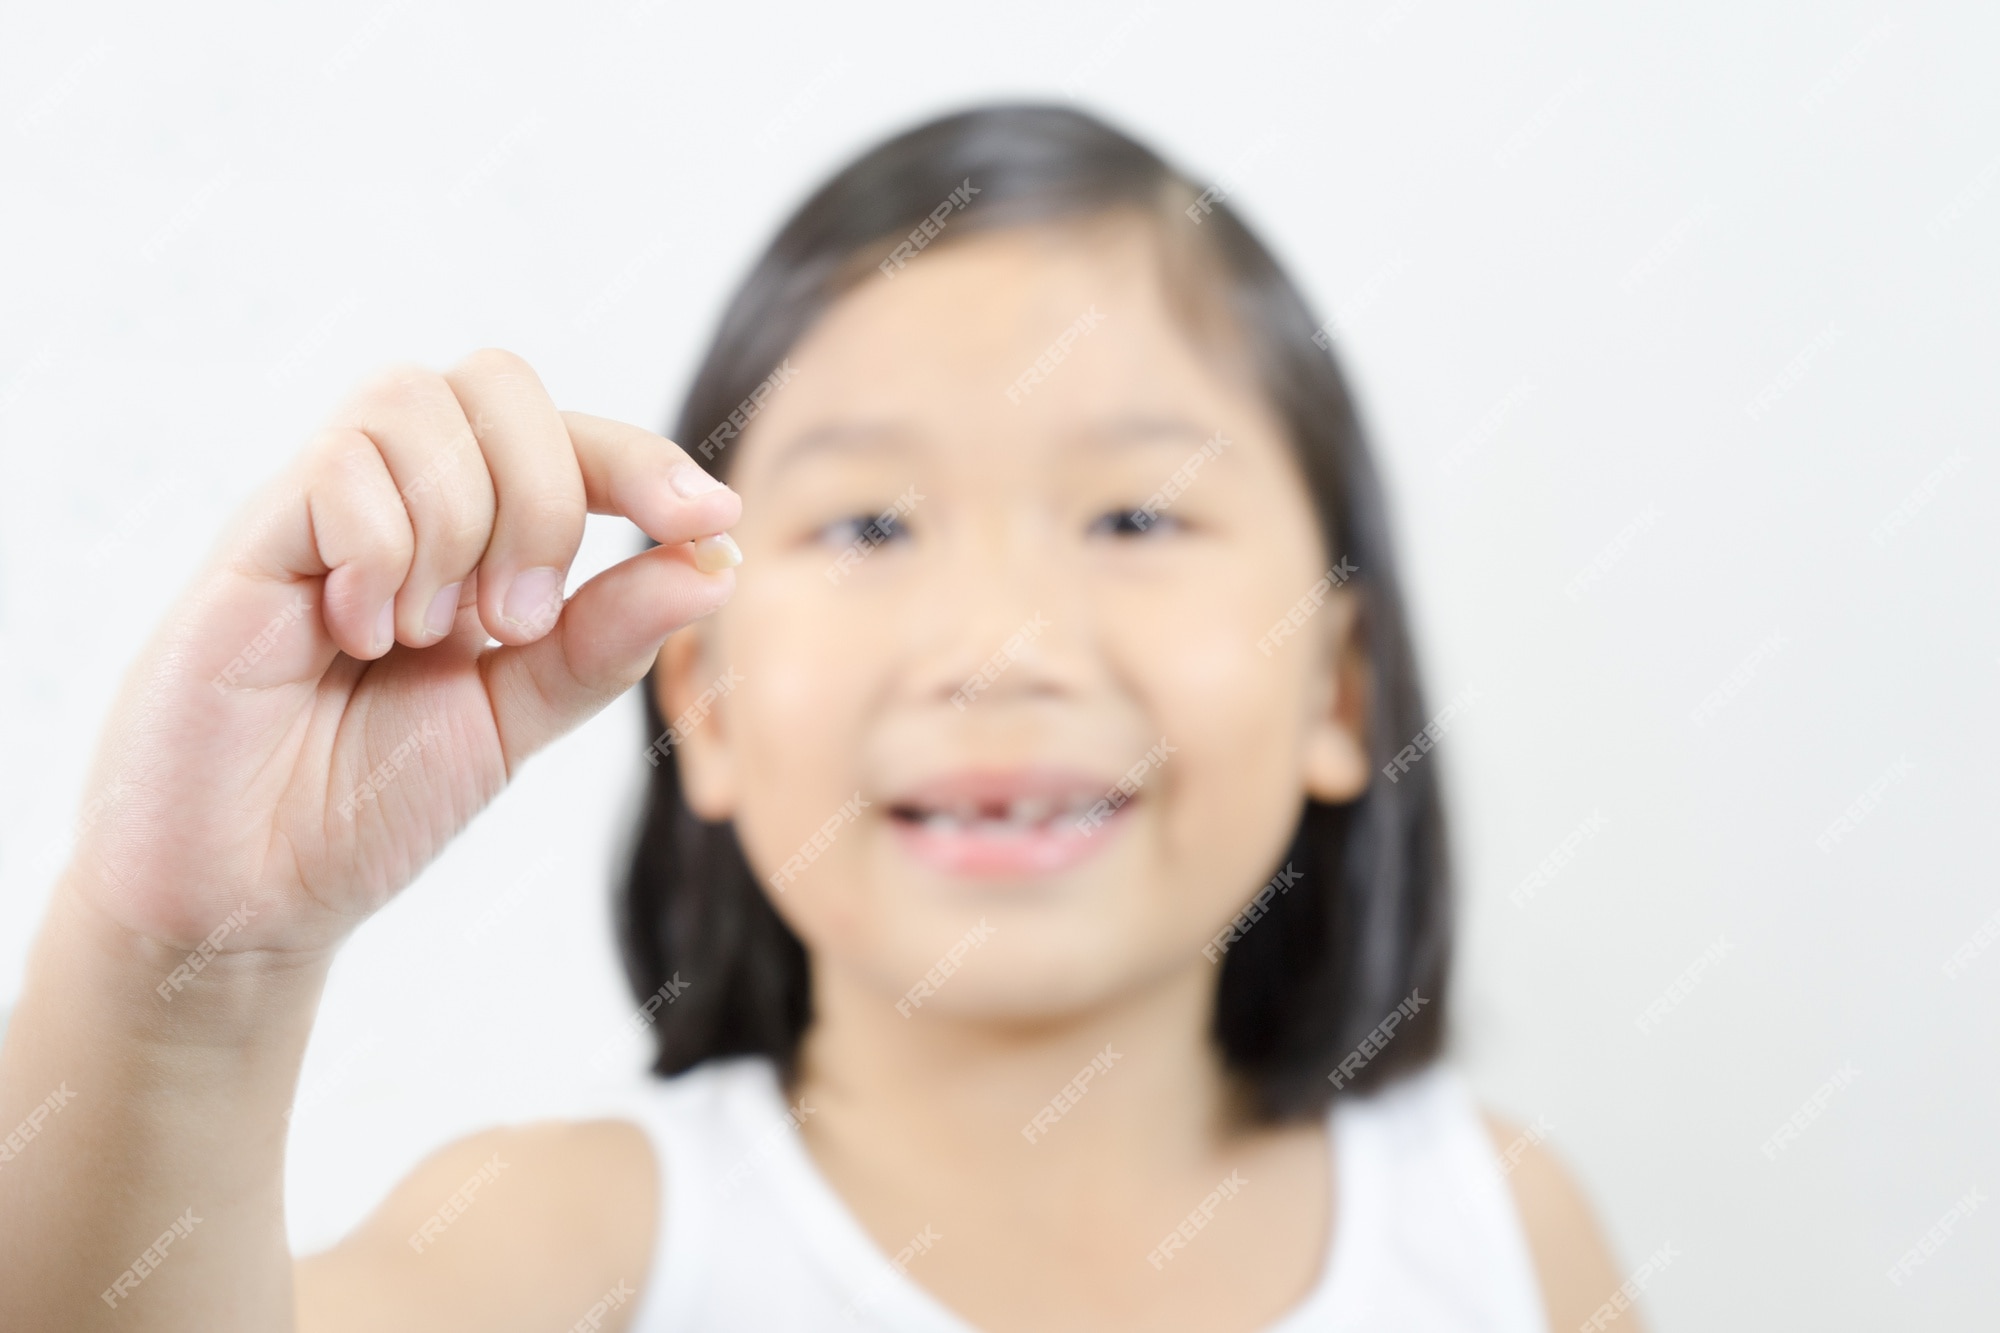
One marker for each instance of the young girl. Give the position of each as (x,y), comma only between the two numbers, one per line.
(1040,905)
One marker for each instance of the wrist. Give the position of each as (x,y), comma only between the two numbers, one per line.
(155,990)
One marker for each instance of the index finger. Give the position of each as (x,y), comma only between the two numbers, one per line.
(650,480)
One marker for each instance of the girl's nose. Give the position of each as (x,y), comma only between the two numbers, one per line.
(1003,616)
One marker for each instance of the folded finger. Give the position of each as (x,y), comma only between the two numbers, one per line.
(538,493)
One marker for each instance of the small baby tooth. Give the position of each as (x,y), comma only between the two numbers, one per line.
(716,553)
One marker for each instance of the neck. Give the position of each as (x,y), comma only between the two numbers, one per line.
(1133,1081)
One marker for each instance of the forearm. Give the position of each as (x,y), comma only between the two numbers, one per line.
(144,1190)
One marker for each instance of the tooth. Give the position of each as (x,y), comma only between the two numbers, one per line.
(1028,810)
(937,821)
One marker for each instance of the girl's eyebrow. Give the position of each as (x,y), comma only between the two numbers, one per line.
(1142,429)
(1124,431)
(843,437)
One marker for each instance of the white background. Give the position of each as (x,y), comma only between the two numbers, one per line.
(1718,277)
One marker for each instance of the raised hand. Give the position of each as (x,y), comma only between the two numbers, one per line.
(323,710)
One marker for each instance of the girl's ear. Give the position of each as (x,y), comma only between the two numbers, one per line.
(1337,765)
(687,688)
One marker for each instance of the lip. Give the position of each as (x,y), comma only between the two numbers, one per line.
(990,847)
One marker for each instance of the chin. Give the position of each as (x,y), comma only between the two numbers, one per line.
(1016,967)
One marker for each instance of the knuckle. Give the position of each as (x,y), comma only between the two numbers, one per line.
(457,516)
(343,463)
(495,360)
(452,458)
(497,367)
(403,384)
(389,538)
(337,453)
(484,422)
(546,518)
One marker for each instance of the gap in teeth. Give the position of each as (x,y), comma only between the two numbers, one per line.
(1017,815)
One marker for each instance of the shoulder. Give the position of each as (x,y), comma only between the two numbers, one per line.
(526,1226)
(1573,1264)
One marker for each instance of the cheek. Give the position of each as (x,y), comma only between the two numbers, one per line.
(795,722)
(1234,715)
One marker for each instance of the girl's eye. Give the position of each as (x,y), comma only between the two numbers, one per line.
(867,529)
(1132,523)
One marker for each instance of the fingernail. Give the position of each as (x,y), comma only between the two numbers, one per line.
(719,552)
(385,627)
(443,610)
(534,599)
(690,481)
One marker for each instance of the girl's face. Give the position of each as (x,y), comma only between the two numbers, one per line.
(930,715)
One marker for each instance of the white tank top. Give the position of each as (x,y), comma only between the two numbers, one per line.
(753,1239)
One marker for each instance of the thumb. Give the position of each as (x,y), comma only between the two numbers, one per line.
(605,641)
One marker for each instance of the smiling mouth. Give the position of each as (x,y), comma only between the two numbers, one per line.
(1018,823)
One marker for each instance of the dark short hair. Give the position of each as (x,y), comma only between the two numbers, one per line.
(1369,922)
